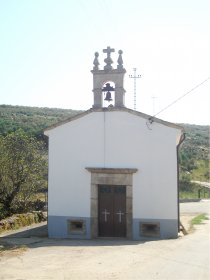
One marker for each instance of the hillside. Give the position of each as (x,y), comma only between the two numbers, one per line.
(194,153)
(32,120)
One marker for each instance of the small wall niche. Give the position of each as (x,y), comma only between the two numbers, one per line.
(148,229)
(76,227)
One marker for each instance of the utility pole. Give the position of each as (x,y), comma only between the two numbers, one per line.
(134,77)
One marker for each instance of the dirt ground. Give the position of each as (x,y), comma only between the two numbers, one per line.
(38,257)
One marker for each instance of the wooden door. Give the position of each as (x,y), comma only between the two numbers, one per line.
(112,211)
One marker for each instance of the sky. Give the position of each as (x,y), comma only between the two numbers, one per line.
(47,50)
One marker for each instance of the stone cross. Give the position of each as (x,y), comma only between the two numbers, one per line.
(105,213)
(108,51)
(108,60)
(120,213)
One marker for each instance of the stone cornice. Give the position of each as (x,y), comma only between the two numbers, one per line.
(112,170)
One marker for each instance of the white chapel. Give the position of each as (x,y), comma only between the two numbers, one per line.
(113,171)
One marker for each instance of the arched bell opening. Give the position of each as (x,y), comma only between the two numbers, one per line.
(108,94)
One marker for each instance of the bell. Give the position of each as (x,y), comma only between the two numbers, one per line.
(108,96)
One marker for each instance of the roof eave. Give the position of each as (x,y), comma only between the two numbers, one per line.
(112,109)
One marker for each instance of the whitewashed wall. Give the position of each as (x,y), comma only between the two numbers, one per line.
(113,139)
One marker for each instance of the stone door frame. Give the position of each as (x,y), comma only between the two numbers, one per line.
(115,177)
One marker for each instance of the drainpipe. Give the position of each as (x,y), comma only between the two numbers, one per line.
(182,138)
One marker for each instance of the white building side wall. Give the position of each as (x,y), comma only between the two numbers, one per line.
(113,139)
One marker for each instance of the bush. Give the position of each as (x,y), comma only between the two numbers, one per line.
(3,213)
(29,206)
(20,220)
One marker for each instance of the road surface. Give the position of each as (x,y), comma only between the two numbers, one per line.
(185,258)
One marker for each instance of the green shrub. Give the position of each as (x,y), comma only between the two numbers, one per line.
(3,213)
(21,220)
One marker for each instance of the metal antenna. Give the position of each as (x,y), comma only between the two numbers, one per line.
(134,77)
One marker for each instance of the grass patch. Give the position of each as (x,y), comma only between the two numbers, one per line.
(187,195)
(199,219)
(190,189)
(195,192)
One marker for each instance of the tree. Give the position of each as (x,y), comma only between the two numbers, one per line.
(22,169)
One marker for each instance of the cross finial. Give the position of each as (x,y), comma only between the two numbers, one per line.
(108,60)
(108,51)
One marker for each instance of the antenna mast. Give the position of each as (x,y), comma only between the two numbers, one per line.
(134,77)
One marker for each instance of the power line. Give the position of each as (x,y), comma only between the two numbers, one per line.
(175,101)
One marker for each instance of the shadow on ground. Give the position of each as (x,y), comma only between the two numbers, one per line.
(39,231)
(38,237)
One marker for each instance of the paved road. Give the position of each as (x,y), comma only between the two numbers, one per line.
(185,258)
(195,207)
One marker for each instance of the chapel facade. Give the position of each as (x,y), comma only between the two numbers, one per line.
(113,171)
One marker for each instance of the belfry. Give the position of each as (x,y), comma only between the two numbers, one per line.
(102,79)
